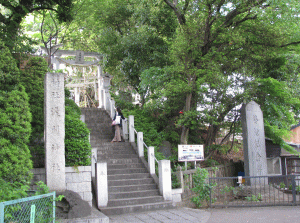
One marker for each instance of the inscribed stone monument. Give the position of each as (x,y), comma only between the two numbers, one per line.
(254,140)
(55,131)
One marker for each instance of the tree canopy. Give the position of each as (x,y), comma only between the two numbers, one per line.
(13,12)
(201,57)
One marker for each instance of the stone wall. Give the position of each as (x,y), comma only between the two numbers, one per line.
(78,180)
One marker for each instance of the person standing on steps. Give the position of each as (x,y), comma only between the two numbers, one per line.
(117,122)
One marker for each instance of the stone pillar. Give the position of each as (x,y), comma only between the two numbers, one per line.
(100,97)
(254,140)
(165,182)
(55,131)
(77,95)
(112,108)
(140,144)
(56,63)
(125,129)
(151,160)
(107,100)
(94,161)
(82,118)
(101,184)
(131,128)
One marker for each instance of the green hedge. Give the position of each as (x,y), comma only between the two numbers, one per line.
(77,145)
(15,128)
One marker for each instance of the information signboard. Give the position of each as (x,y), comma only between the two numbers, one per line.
(190,153)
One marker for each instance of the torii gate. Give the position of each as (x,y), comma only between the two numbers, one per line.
(102,79)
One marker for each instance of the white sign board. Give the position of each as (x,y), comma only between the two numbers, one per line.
(190,153)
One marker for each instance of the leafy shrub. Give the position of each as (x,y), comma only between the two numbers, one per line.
(211,162)
(15,163)
(71,108)
(282,185)
(11,191)
(201,187)
(77,145)
(9,72)
(15,117)
(32,79)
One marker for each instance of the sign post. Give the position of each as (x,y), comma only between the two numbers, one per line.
(190,153)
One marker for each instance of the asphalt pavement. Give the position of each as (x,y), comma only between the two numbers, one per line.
(277,214)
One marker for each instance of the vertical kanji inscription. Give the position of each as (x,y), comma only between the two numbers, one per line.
(55,131)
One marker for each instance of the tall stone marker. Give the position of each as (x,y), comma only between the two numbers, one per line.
(54,110)
(254,140)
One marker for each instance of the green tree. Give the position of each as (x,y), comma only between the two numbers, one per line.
(132,35)
(219,38)
(13,12)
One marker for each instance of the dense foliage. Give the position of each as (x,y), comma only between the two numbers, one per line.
(15,129)
(13,12)
(194,62)
(32,78)
(77,145)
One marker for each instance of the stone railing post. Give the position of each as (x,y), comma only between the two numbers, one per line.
(125,129)
(101,184)
(131,128)
(112,108)
(151,160)
(140,144)
(179,175)
(165,182)
(93,161)
(82,118)
(107,101)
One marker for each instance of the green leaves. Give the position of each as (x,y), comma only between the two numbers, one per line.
(77,145)
(201,187)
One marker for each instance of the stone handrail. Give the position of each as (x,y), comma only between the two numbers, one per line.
(164,166)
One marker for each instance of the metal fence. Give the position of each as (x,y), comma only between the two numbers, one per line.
(255,191)
(39,208)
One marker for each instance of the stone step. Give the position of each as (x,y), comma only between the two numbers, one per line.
(114,145)
(98,143)
(123,161)
(130,182)
(99,123)
(134,201)
(128,176)
(125,166)
(116,156)
(136,208)
(109,146)
(131,194)
(115,150)
(127,188)
(126,171)
(94,137)
(130,186)
(98,129)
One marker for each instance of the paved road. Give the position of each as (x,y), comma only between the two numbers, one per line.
(278,214)
(181,215)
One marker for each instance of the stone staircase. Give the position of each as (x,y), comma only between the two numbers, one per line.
(130,186)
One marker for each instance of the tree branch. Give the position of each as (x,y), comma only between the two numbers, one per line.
(180,16)
(289,44)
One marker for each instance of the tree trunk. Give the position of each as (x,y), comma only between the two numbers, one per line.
(185,130)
